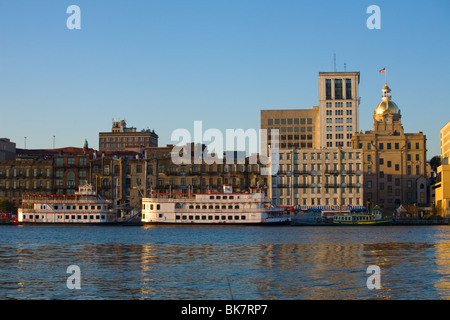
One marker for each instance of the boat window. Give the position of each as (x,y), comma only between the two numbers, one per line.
(243,217)
(151,207)
(204,206)
(197,206)
(191,206)
(85,216)
(177,206)
(97,217)
(158,207)
(210,217)
(85,207)
(92,207)
(73,217)
(230,206)
(190,217)
(56,207)
(210,206)
(231,197)
(230,217)
(236,206)
(67,207)
(99,207)
(177,217)
(217,197)
(236,217)
(217,206)
(197,217)
(91,217)
(78,217)
(183,217)
(216,217)
(211,197)
(224,197)
(224,217)
(103,217)
(67,217)
(224,206)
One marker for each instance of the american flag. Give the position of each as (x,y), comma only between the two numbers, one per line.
(383,70)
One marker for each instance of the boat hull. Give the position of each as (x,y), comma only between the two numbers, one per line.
(381,222)
(218,224)
(68,224)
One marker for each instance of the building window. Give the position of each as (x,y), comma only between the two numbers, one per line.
(328,89)
(348,89)
(338,89)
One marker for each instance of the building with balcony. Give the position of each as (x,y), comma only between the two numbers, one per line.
(319,179)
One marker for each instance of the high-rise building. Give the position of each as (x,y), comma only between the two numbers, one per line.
(338,108)
(445,143)
(121,137)
(297,128)
(394,161)
(442,185)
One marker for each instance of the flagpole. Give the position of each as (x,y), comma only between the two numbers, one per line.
(385,75)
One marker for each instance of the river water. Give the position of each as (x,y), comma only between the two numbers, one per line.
(258,263)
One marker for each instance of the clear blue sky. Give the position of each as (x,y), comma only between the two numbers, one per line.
(164,64)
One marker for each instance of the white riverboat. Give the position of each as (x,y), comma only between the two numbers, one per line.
(85,207)
(225,208)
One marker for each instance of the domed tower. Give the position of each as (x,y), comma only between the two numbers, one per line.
(387,116)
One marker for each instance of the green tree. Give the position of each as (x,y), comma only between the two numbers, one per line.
(435,162)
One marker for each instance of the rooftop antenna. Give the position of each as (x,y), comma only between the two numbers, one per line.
(345,67)
(334,61)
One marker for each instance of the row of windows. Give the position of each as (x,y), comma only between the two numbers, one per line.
(71,161)
(320,202)
(294,137)
(71,207)
(290,129)
(339,128)
(124,139)
(296,145)
(318,155)
(290,121)
(338,89)
(24,172)
(210,217)
(68,217)
(389,146)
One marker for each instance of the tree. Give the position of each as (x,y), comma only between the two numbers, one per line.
(435,162)
(6,206)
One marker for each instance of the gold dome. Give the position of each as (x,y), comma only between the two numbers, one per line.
(392,107)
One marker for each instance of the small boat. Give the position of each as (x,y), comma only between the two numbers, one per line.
(221,209)
(349,218)
(85,207)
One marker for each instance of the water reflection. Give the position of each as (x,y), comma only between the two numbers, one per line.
(180,265)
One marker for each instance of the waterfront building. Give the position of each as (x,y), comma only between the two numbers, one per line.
(394,161)
(315,179)
(338,108)
(122,137)
(21,176)
(442,185)
(445,143)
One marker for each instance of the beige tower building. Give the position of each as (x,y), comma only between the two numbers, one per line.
(297,128)
(394,161)
(338,108)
